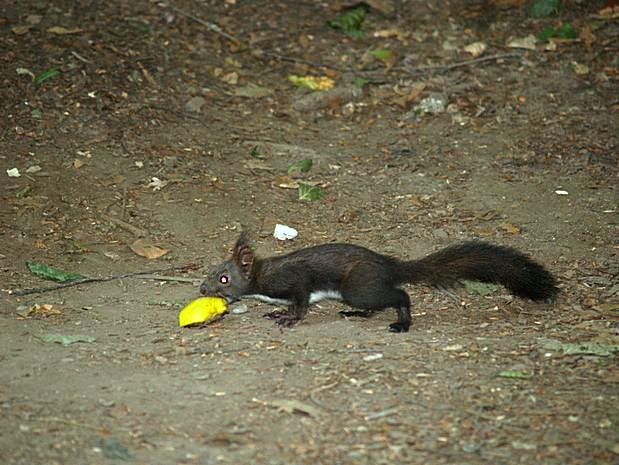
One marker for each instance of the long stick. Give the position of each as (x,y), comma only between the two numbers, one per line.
(212,26)
(39,290)
(418,69)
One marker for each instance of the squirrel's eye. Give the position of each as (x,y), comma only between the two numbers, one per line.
(224,279)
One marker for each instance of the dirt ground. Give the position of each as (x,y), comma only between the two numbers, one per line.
(525,155)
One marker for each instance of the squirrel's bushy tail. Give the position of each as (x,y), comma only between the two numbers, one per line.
(479,261)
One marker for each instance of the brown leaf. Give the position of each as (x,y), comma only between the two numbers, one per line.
(63,30)
(252,91)
(296,406)
(231,78)
(285,182)
(412,95)
(37,310)
(143,248)
(586,35)
(20,30)
(610,308)
(386,7)
(257,164)
(393,32)
(485,232)
(488,215)
(509,228)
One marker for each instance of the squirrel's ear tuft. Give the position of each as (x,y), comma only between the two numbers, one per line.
(243,255)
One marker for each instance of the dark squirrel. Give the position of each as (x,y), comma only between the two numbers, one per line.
(368,280)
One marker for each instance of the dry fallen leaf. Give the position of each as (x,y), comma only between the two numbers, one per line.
(285,182)
(44,310)
(296,406)
(231,78)
(252,91)
(415,91)
(586,35)
(64,30)
(393,32)
(509,228)
(580,69)
(39,244)
(386,7)
(527,42)
(484,232)
(143,248)
(257,164)
(20,30)
(476,48)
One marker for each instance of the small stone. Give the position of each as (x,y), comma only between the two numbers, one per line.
(440,234)
(194,104)
(239,309)
(433,104)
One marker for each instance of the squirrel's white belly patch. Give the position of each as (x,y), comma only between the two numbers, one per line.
(315,296)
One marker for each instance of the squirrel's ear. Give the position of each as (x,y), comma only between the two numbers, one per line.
(243,255)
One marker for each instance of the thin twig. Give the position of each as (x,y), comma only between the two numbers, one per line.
(279,57)
(420,69)
(39,290)
(178,279)
(137,232)
(215,28)
(212,26)
(315,391)
(80,57)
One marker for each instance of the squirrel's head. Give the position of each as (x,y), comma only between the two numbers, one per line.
(232,279)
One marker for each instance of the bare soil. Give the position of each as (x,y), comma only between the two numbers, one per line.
(525,155)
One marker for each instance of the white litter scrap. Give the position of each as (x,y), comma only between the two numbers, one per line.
(157,184)
(13,173)
(283,232)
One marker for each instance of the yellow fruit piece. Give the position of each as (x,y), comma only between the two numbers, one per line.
(202,310)
(312,82)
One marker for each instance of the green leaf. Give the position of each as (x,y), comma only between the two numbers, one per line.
(55,274)
(66,340)
(312,82)
(381,54)
(20,194)
(583,348)
(514,374)
(360,82)
(543,8)
(301,166)
(309,192)
(257,153)
(477,288)
(350,22)
(113,449)
(45,75)
(566,31)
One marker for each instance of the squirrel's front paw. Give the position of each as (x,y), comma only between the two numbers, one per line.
(276,315)
(283,319)
(398,327)
(287,321)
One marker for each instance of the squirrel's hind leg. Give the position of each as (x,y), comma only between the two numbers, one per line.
(371,295)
